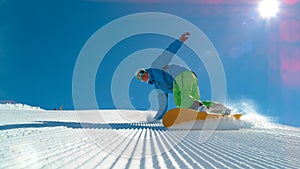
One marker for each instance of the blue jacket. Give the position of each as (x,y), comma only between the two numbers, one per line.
(162,76)
(160,79)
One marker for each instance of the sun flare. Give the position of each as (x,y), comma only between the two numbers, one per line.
(268,8)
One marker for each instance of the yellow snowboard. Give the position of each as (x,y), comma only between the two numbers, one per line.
(181,115)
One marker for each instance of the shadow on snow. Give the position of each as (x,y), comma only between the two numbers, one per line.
(77,125)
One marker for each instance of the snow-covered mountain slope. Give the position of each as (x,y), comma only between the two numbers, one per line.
(122,139)
(17,106)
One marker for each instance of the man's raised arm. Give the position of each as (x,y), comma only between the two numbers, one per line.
(165,58)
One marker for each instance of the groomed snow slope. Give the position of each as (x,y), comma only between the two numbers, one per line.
(35,138)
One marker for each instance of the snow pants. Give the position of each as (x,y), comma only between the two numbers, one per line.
(185,89)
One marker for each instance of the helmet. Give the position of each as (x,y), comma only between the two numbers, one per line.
(140,73)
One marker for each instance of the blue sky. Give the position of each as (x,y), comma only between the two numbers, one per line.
(41,40)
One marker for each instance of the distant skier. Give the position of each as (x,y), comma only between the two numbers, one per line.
(173,79)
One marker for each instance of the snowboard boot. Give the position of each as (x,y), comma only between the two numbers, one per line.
(198,105)
(219,109)
(195,105)
(203,108)
(227,111)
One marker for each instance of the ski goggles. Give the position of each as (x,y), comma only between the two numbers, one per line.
(141,74)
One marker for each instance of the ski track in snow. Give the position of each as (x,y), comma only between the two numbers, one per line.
(56,139)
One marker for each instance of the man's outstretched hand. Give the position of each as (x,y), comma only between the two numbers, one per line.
(184,36)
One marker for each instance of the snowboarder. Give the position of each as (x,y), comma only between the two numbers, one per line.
(180,81)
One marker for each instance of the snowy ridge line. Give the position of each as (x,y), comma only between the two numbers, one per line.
(67,153)
(277,142)
(134,143)
(39,145)
(47,142)
(17,106)
(81,125)
(64,148)
(263,156)
(208,156)
(258,161)
(91,158)
(219,161)
(235,153)
(195,152)
(118,160)
(182,162)
(105,139)
(91,147)
(187,151)
(265,166)
(120,143)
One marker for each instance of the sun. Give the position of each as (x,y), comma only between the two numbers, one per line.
(268,8)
